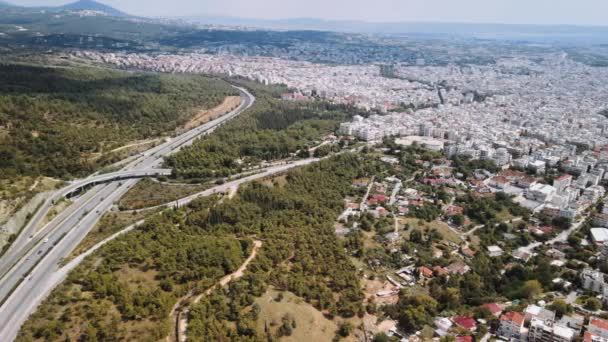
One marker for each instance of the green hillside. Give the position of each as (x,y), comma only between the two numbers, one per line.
(56,122)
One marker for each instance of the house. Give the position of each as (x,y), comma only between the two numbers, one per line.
(562,182)
(494,251)
(443,325)
(522,254)
(598,327)
(590,337)
(512,175)
(494,308)
(499,182)
(378,198)
(536,312)
(593,281)
(465,322)
(511,325)
(526,182)
(464,339)
(380,211)
(440,271)
(540,193)
(467,252)
(425,272)
(452,210)
(361,182)
(458,267)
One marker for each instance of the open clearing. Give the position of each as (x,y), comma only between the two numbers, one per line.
(205,115)
(442,227)
(147,193)
(311,325)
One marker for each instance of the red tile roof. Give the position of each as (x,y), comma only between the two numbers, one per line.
(464,339)
(514,317)
(493,307)
(563,177)
(465,322)
(599,323)
(440,270)
(425,271)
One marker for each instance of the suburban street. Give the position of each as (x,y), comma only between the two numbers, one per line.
(27,270)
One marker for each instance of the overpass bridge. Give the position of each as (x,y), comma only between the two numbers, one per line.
(77,186)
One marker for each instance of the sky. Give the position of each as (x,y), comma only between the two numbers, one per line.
(577,12)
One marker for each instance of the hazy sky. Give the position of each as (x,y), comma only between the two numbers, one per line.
(581,12)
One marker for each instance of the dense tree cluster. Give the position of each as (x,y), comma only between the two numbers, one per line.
(301,252)
(191,248)
(272,129)
(53,121)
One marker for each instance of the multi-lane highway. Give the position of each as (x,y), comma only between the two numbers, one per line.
(29,267)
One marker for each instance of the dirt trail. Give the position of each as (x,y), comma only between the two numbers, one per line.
(179,315)
(203,116)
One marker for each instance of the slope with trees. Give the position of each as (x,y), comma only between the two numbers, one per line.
(59,121)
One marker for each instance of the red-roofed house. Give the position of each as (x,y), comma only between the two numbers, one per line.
(465,322)
(464,339)
(494,308)
(499,182)
(467,252)
(440,271)
(598,326)
(425,272)
(512,175)
(433,181)
(379,198)
(361,182)
(562,182)
(526,182)
(452,210)
(589,337)
(511,325)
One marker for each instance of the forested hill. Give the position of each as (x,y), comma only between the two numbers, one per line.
(58,121)
(272,129)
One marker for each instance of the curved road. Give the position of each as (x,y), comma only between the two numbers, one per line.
(30,265)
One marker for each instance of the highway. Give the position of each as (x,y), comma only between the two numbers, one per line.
(29,266)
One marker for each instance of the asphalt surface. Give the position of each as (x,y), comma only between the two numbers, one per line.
(28,271)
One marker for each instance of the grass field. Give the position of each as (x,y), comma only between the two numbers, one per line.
(311,325)
(148,193)
(442,227)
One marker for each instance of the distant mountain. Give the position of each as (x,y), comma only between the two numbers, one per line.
(82,5)
(89,5)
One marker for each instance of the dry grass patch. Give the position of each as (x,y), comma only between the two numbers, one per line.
(147,193)
(311,325)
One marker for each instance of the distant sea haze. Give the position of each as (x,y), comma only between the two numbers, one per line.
(533,33)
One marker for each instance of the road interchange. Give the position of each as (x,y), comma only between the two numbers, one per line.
(29,267)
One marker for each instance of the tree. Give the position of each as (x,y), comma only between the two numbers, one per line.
(416,236)
(531,289)
(560,307)
(593,304)
(458,219)
(345,329)
(382,337)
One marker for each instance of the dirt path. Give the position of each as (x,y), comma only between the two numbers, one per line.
(139,143)
(179,315)
(205,115)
